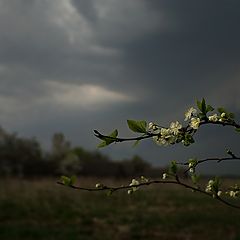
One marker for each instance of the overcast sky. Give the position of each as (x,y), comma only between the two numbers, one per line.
(72,66)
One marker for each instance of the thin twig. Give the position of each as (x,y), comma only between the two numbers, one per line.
(116,139)
(216,159)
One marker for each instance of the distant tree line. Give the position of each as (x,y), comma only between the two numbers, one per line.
(24,157)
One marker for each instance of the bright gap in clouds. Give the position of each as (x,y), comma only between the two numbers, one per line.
(86,96)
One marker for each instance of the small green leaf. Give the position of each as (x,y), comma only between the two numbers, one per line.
(195,178)
(108,139)
(231,115)
(137,126)
(199,104)
(204,108)
(65,180)
(73,179)
(136,143)
(201,116)
(114,133)
(102,144)
(110,192)
(173,167)
(237,130)
(209,108)
(188,139)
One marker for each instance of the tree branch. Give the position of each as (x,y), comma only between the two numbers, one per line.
(215,159)
(150,134)
(127,187)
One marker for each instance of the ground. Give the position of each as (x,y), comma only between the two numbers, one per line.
(41,209)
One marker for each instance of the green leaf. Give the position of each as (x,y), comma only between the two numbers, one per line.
(231,115)
(204,108)
(73,179)
(136,143)
(237,130)
(114,134)
(102,144)
(199,104)
(110,192)
(201,116)
(209,108)
(216,184)
(108,139)
(66,180)
(188,139)
(173,167)
(137,126)
(195,178)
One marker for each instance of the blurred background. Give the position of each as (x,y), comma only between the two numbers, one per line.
(68,67)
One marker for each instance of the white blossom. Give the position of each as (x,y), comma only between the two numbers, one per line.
(165,132)
(165,176)
(219,193)
(223,115)
(150,125)
(195,123)
(191,164)
(98,185)
(154,128)
(164,136)
(133,183)
(189,113)
(191,170)
(160,141)
(213,118)
(175,127)
(130,191)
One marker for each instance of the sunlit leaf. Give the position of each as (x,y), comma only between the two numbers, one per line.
(137,126)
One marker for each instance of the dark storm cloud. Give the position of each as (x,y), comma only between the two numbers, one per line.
(135,59)
(194,58)
(86,8)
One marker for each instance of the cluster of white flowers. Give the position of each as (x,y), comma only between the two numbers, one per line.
(144,179)
(213,188)
(175,132)
(215,117)
(190,115)
(209,187)
(234,194)
(154,128)
(165,136)
(133,183)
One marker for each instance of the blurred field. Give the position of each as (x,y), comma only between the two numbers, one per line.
(43,210)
